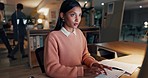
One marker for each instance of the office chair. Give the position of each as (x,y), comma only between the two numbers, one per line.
(40,58)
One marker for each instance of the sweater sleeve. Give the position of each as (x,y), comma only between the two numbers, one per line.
(53,68)
(87,59)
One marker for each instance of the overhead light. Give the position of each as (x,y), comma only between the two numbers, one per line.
(102,3)
(145,23)
(145,26)
(140,6)
(85,2)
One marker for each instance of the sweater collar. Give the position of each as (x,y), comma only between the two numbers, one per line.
(67,33)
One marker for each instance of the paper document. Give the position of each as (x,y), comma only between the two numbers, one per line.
(111,74)
(128,68)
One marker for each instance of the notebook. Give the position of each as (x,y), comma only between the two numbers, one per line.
(144,69)
(118,69)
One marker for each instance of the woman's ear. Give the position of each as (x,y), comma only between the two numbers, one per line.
(62,15)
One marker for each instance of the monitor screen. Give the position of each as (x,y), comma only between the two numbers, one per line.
(144,69)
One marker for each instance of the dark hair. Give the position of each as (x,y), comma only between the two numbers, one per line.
(65,7)
(19,6)
(2,6)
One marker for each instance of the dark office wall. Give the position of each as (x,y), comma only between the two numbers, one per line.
(127,17)
(111,23)
(135,17)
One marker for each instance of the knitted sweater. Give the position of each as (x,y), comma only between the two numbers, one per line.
(64,56)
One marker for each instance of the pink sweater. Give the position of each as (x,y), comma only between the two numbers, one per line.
(64,56)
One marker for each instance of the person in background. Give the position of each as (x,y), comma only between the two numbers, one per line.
(3,35)
(8,25)
(65,53)
(19,30)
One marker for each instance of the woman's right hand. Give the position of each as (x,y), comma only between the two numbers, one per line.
(96,69)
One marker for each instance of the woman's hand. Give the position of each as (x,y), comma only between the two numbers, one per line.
(97,69)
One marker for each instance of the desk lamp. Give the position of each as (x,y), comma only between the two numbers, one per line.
(40,25)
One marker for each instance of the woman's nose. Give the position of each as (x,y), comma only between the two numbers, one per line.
(77,18)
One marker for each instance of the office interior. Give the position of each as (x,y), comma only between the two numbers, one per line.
(102,21)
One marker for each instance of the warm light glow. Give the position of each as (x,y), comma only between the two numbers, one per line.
(40,20)
(82,3)
(3,1)
(44,11)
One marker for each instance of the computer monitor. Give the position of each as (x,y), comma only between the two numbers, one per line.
(144,69)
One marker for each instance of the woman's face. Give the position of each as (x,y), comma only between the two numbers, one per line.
(72,18)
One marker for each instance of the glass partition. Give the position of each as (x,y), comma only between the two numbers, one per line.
(134,27)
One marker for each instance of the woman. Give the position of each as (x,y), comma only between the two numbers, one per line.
(66,47)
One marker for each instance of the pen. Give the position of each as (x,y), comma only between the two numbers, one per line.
(117,68)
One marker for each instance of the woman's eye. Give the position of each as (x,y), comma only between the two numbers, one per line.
(72,14)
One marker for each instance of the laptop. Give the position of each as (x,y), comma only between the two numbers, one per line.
(144,69)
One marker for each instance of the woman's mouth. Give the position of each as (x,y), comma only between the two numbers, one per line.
(76,24)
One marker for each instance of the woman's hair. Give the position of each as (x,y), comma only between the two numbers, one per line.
(65,7)
(2,6)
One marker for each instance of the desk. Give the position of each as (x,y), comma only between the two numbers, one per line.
(125,47)
(133,49)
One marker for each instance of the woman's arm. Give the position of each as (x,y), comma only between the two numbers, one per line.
(94,67)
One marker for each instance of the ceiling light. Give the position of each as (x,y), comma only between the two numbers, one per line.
(102,3)
(146,23)
(85,2)
(145,26)
(140,6)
